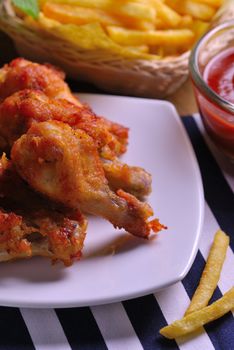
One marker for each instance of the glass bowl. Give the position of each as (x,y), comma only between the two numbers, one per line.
(217,113)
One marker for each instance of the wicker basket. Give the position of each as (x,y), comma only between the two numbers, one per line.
(107,70)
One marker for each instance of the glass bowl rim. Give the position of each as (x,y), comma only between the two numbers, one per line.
(195,72)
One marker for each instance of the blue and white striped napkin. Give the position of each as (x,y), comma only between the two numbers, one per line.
(134,324)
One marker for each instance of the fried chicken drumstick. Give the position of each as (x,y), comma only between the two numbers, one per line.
(31,225)
(64,165)
(27,107)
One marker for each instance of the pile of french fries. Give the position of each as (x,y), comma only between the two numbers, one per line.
(198,313)
(154,27)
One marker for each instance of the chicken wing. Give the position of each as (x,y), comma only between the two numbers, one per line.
(31,225)
(64,165)
(21,74)
(24,108)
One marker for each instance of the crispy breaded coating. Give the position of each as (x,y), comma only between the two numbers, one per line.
(31,225)
(22,74)
(26,107)
(64,165)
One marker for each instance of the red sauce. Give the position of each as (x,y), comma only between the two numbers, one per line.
(219,123)
(219,74)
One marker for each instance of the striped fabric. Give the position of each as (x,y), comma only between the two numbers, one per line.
(134,324)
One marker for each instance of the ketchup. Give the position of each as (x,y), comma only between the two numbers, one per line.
(219,123)
(219,74)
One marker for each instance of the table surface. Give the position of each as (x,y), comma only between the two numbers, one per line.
(183,99)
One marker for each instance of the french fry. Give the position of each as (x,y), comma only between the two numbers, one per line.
(186,21)
(198,10)
(195,9)
(199,28)
(199,318)
(159,24)
(144,26)
(120,8)
(164,50)
(129,16)
(67,14)
(135,10)
(213,3)
(141,48)
(134,15)
(89,37)
(211,273)
(43,21)
(98,4)
(170,17)
(174,37)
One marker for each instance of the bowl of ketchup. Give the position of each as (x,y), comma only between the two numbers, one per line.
(211,68)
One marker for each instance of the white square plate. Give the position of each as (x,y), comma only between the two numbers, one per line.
(158,142)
